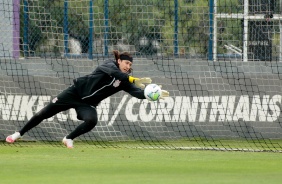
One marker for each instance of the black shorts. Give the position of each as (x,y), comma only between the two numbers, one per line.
(66,100)
(69,96)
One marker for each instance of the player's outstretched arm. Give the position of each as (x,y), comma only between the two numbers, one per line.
(140,82)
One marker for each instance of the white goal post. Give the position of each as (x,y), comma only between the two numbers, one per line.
(246,17)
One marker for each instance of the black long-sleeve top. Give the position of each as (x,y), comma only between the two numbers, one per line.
(106,80)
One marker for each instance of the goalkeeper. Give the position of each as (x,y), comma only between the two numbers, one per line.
(87,92)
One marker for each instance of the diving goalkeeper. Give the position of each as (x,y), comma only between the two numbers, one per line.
(87,92)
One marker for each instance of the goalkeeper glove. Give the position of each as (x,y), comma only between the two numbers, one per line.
(164,93)
(139,82)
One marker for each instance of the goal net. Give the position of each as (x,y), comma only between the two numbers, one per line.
(220,61)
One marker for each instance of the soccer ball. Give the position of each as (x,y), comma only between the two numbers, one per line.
(152,92)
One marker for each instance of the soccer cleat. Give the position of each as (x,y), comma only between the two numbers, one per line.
(12,138)
(68,142)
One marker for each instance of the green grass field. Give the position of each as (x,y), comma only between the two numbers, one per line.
(47,164)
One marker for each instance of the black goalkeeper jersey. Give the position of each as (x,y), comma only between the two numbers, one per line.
(104,81)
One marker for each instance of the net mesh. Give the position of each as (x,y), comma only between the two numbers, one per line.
(223,72)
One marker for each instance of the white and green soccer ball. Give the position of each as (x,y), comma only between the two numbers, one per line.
(152,92)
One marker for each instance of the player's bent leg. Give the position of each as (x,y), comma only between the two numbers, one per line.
(12,138)
(89,115)
(68,142)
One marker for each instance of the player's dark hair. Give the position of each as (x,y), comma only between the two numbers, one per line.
(123,56)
